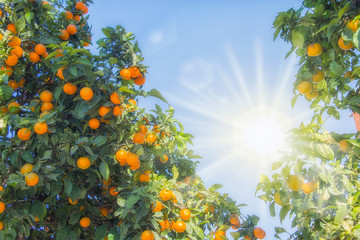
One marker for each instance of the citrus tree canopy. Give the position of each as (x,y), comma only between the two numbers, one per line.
(316,183)
(80,157)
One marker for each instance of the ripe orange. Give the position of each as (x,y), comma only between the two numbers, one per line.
(86,10)
(13,107)
(185,214)
(312,95)
(85,222)
(13,84)
(147,235)
(11,27)
(17,51)
(22,82)
(314,49)
(14,42)
(139,81)
(69,88)
(219,235)
(143,129)
(68,15)
(139,138)
(135,166)
(46,96)
(259,233)
(12,60)
(31,179)
(26,168)
(353,25)
(1,225)
(34,57)
(165,194)
(73,202)
(80,6)
(86,44)
(157,207)
(4,110)
(113,191)
(309,187)
(318,76)
(40,49)
(344,46)
(71,29)
(164,159)
(46,106)
(135,72)
(60,73)
(121,157)
(173,198)
(60,53)
(304,87)
(94,123)
(2,207)
(234,220)
(180,226)
(64,35)
(343,145)
(40,128)
(104,211)
(132,159)
(125,74)
(83,163)
(151,138)
(24,134)
(86,93)
(104,110)
(294,182)
(114,98)
(144,177)
(164,224)
(7,69)
(117,110)
(76,18)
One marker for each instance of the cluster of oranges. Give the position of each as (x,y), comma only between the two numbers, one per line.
(133,73)
(31,178)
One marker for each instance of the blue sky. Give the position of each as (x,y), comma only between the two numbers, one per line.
(215,61)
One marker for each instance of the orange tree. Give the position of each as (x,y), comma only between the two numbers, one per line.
(316,182)
(80,158)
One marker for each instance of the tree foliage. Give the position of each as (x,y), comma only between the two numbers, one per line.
(80,158)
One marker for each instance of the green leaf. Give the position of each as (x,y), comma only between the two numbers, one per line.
(101,232)
(336,68)
(215,187)
(29,16)
(284,211)
(27,156)
(341,214)
(38,209)
(343,10)
(319,10)
(74,218)
(197,230)
(325,151)
(356,38)
(293,100)
(298,39)
(131,201)
(280,230)
(68,186)
(104,170)
(156,93)
(175,172)
(73,71)
(113,60)
(20,24)
(100,140)
(5,92)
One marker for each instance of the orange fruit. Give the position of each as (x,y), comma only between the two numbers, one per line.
(13,107)
(135,166)
(135,72)
(71,29)
(86,44)
(132,159)
(11,27)
(304,87)
(107,182)
(312,95)
(85,222)
(14,42)
(143,129)
(60,53)
(68,15)
(314,49)
(125,74)
(117,110)
(114,98)
(144,177)
(64,35)
(94,123)
(278,201)
(22,82)
(36,103)
(4,110)
(46,106)
(139,81)
(104,110)
(157,207)
(180,226)
(17,51)
(86,93)
(86,10)
(121,157)
(113,191)
(151,138)
(73,202)
(165,194)
(60,73)
(353,25)
(24,134)
(185,214)
(164,224)
(46,96)
(164,159)
(12,60)
(343,46)
(80,6)
(34,57)
(7,69)
(234,220)
(104,211)
(83,163)
(69,88)
(31,179)
(147,235)
(2,207)
(343,145)
(40,128)
(318,76)
(40,49)
(1,225)
(309,187)
(139,138)
(219,235)
(76,18)
(26,168)
(13,84)
(294,182)
(259,233)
